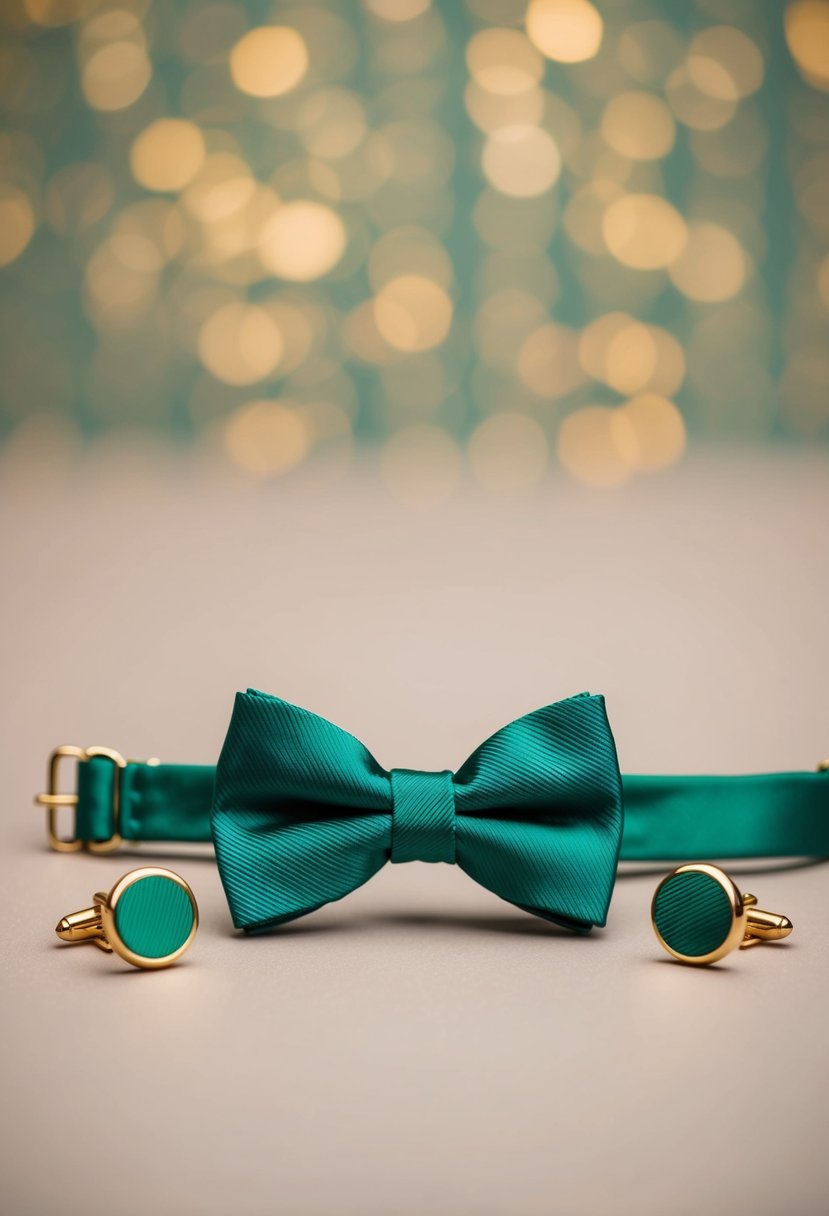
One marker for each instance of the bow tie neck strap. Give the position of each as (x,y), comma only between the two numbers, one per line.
(423,816)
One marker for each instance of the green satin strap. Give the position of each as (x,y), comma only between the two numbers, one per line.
(694,818)
(666,818)
(156,801)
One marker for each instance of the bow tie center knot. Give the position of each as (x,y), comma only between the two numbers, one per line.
(423,816)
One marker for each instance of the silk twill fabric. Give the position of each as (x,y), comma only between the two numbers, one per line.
(303,814)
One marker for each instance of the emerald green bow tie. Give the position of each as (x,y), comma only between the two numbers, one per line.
(303,814)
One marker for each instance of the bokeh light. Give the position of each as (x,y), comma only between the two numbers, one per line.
(503,61)
(521,161)
(302,240)
(266,437)
(490,111)
(569,31)
(725,63)
(240,343)
(413,313)
(697,98)
(115,75)
(405,249)
(648,432)
(807,34)
(588,450)
(548,362)
(269,60)
(167,154)
(115,64)
(711,266)
(644,231)
(17,224)
(398,10)
(630,358)
(638,125)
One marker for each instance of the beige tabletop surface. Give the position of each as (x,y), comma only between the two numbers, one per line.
(421,1047)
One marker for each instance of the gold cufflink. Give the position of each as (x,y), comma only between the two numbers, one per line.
(149,918)
(699,915)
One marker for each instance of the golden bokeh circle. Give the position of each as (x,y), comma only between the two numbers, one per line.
(504,62)
(521,161)
(17,223)
(712,266)
(568,31)
(167,154)
(115,75)
(806,24)
(240,343)
(266,438)
(649,432)
(269,60)
(302,240)
(696,97)
(644,231)
(725,63)
(412,313)
(398,11)
(638,125)
(630,359)
(548,362)
(588,450)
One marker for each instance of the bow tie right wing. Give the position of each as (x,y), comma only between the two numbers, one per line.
(539,812)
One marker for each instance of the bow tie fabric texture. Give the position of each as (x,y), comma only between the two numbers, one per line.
(303,814)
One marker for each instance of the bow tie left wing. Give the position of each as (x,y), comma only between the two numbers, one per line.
(539,813)
(300,812)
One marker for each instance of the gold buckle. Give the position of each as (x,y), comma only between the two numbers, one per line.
(53,800)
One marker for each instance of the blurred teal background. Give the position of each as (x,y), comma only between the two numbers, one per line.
(488,235)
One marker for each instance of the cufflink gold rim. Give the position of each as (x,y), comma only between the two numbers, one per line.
(749,925)
(105,926)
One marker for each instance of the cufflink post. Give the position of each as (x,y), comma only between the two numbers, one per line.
(85,926)
(763,926)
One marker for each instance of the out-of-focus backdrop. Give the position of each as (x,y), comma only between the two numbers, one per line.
(485,235)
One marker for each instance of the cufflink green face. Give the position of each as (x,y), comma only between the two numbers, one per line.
(699,915)
(149,919)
